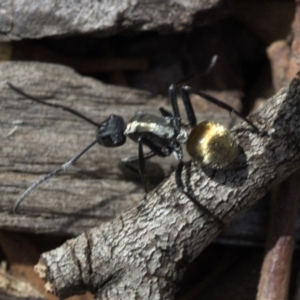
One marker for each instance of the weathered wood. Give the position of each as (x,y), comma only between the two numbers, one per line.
(12,288)
(144,252)
(36,139)
(33,19)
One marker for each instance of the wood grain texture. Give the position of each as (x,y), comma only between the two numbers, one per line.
(36,139)
(30,19)
(144,252)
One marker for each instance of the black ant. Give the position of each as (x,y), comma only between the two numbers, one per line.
(208,142)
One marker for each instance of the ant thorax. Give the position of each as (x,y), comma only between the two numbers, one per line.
(150,125)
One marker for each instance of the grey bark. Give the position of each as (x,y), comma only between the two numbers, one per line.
(143,253)
(33,19)
(36,139)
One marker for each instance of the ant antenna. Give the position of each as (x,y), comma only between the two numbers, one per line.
(72,111)
(212,64)
(49,175)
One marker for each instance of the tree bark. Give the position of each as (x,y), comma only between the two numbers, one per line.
(144,252)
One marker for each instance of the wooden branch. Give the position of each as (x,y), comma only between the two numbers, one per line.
(29,19)
(276,268)
(36,139)
(13,288)
(144,252)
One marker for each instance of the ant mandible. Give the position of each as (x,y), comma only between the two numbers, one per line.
(208,142)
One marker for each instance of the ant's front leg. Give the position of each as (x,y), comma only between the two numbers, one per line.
(141,158)
(128,163)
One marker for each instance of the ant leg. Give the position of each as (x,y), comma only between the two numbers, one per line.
(165,113)
(223,105)
(141,166)
(181,188)
(187,105)
(127,161)
(173,99)
(143,157)
(185,96)
(131,159)
(163,152)
(70,110)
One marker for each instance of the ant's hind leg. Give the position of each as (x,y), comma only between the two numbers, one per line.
(181,188)
(173,99)
(187,89)
(187,105)
(185,96)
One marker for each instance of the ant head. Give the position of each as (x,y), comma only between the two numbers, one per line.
(111,132)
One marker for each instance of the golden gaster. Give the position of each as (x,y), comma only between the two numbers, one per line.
(212,144)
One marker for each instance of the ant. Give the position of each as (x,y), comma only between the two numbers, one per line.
(208,142)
